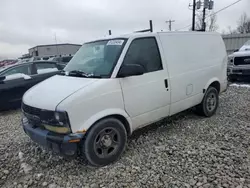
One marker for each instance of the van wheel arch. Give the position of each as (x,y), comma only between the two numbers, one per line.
(214,84)
(121,118)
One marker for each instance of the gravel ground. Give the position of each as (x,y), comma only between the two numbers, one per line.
(183,151)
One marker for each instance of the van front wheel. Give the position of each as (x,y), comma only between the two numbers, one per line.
(209,104)
(105,142)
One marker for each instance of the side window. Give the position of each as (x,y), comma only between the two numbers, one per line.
(24,69)
(66,59)
(46,68)
(144,51)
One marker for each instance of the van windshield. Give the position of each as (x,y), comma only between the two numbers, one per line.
(96,58)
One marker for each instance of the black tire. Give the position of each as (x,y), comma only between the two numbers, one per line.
(96,147)
(205,108)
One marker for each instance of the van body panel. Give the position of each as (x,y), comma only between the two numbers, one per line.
(146,97)
(191,63)
(99,99)
(103,114)
(49,93)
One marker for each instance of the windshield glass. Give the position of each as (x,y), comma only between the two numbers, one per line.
(97,58)
(2,68)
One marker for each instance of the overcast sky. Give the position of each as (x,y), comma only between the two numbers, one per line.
(27,23)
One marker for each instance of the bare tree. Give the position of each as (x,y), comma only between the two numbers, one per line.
(211,23)
(213,26)
(199,22)
(244,24)
(231,31)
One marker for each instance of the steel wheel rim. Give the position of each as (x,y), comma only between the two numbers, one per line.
(211,102)
(106,142)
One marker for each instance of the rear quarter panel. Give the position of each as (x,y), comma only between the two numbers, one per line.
(194,60)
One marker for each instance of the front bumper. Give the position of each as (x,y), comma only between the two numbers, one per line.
(59,143)
(244,71)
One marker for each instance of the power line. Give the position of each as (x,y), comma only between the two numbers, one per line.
(224,8)
(183,27)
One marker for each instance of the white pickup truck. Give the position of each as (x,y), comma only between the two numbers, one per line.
(239,63)
(115,85)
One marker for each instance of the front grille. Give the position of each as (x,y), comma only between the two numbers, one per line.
(36,116)
(31,110)
(242,60)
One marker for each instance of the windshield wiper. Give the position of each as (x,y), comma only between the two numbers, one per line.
(94,76)
(62,72)
(78,73)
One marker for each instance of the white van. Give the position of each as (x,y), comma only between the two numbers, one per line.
(116,85)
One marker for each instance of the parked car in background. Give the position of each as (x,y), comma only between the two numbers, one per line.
(16,79)
(62,59)
(114,86)
(35,58)
(23,60)
(239,63)
(7,62)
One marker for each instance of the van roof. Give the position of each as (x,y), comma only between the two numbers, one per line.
(142,34)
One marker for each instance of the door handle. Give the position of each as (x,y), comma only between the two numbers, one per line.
(166,83)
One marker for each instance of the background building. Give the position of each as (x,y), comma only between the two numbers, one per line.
(235,41)
(54,49)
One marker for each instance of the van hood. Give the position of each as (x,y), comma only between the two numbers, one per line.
(49,93)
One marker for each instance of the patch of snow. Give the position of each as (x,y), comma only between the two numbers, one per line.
(20,156)
(47,70)
(14,76)
(26,168)
(241,85)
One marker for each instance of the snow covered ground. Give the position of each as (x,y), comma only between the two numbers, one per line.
(240,85)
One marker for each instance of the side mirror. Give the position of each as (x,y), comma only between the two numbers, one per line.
(17,76)
(2,78)
(130,70)
(236,50)
(26,77)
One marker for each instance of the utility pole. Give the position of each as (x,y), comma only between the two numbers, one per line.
(207,4)
(56,45)
(170,24)
(193,22)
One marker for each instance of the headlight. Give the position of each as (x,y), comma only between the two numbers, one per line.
(61,117)
(62,130)
(55,121)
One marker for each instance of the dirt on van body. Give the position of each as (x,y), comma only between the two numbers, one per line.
(183,151)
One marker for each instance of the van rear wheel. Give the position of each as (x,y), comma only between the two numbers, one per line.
(209,104)
(104,143)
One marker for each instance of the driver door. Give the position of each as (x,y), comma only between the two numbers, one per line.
(147,96)
(13,88)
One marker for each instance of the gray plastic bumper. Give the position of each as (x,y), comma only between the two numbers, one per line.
(59,143)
